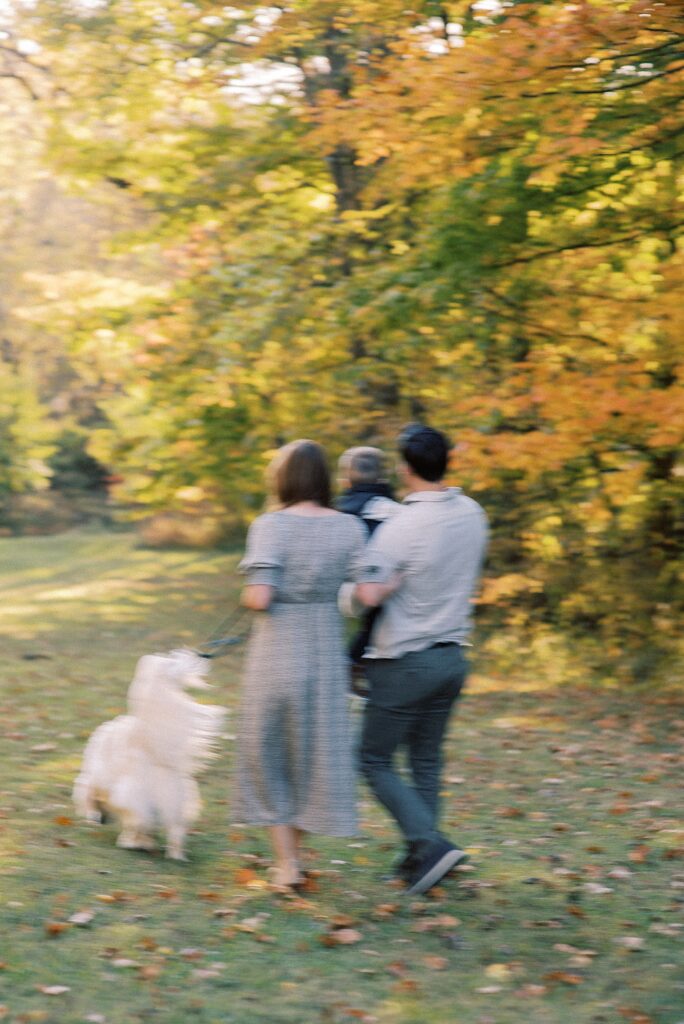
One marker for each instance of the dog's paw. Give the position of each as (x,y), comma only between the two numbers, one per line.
(173,854)
(135,841)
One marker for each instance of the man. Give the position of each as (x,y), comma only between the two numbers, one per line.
(422,566)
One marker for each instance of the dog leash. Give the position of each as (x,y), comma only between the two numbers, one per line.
(220,644)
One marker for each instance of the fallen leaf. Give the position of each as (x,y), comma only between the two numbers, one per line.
(631,942)
(501,972)
(249,925)
(563,947)
(564,977)
(55,928)
(634,1016)
(639,854)
(342,921)
(575,911)
(405,985)
(361,1015)
(347,936)
(385,910)
(118,896)
(671,930)
(397,968)
(620,873)
(530,991)
(596,889)
(580,961)
(165,892)
(310,883)
(244,875)
(149,972)
(435,963)
(510,812)
(81,918)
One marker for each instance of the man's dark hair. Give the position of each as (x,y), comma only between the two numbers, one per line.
(425,450)
(303,475)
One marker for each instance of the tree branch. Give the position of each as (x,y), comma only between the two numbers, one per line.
(22,81)
(649,50)
(604,243)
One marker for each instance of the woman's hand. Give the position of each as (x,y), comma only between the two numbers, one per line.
(257,597)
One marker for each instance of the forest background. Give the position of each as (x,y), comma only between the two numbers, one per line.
(228,226)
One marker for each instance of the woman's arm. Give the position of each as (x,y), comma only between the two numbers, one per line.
(257,596)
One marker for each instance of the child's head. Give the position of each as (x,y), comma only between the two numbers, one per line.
(362,465)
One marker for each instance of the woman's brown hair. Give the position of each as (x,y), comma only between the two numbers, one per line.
(300,472)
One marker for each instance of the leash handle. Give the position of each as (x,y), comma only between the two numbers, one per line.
(227,641)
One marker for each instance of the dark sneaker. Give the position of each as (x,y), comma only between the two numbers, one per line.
(438,861)
(405,866)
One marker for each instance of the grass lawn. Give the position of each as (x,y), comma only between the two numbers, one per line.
(569,801)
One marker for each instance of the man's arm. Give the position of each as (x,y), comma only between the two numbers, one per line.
(379,574)
(372,595)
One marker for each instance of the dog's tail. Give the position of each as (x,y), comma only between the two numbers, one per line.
(206,731)
(177,731)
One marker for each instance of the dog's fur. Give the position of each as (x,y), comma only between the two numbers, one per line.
(141,767)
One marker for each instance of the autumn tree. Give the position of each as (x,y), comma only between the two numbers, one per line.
(461,212)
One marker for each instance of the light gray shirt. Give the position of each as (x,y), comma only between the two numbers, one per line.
(437,542)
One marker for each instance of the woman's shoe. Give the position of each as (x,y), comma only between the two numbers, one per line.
(286,875)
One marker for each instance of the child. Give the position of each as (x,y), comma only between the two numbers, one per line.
(367,495)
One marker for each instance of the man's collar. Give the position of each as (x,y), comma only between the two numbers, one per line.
(445,495)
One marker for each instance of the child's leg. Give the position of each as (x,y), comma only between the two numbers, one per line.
(362,639)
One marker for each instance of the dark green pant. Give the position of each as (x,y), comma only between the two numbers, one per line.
(408,707)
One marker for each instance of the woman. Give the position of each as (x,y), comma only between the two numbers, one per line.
(295,770)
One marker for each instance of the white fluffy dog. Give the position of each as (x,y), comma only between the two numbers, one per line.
(141,767)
